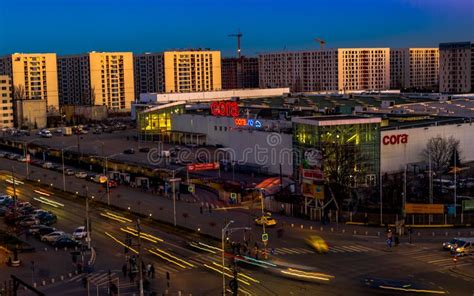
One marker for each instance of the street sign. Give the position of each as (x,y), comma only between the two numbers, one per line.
(203,166)
(233,195)
(191,188)
(175,179)
(264,237)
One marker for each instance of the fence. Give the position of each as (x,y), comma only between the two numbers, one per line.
(315,214)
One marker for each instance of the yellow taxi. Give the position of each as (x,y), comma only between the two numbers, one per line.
(317,243)
(267,220)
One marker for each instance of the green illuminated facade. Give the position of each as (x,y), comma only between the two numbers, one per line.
(348,148)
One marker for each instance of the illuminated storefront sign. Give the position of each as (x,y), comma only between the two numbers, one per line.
(247,122)
(203,166)
(225,108)
(395,139)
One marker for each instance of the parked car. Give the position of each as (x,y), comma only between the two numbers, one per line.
(51,237)
(69,172)
(29,221)
(63,242)
(129,151)
(47,165)
(144,149)
(2,154)
(48,219)
(81,175)
(80,232)
(45,231)
(58,131)
(22,159)
(45,133)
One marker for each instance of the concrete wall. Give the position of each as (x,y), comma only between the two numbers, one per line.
(213,95)
(395,156)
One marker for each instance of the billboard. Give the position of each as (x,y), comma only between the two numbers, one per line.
(414,208)
(316,191)
(468,205)
(203,166)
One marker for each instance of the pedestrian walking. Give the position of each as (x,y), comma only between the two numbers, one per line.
(410,231)
(124,270)
(148,270)
(152,270)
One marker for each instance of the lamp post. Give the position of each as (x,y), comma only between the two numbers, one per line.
(223,253)
(106,172)
(26,157)
(173,182)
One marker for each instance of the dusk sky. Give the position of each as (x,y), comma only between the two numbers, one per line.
(76,26)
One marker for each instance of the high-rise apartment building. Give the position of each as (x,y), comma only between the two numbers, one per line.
(456,71)
(6,104)
(363,68)
(192,71)
(34,77)
(239,73)
(326,70)
(302,71)
(414,68)
(149,73)
(97,78)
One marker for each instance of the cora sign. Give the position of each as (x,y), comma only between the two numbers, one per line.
(225,108)
(247,122)
(395,139)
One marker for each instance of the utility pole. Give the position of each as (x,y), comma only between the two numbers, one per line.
(64,176)
(223,255)
(404,191)
(381,195)
(27,160)
(140,271)
(455,185)
(106,175)
(174,199)
(88,238)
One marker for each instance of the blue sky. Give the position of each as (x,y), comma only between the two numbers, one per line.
(76,26)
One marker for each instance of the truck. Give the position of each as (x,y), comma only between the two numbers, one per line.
(67,131)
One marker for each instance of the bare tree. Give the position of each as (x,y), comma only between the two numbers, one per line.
(440,150)
(19,92)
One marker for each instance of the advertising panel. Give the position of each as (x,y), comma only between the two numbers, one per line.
(203,166)
(414,208)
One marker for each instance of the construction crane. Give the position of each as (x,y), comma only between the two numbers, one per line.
(238,35)
(321,42)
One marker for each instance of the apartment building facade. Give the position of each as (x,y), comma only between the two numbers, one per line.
(456,67)
(97,78)
(363,69)
(149,73)
(6,102)
(238,73)
(192,71)
(302,71)
(414,68)
(33,76)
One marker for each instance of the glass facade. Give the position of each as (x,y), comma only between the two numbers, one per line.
(157,121)
(349,153)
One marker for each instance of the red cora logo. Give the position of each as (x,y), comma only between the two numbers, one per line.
(395,139)
(225,108)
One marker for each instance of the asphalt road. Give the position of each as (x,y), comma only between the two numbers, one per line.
(351,259)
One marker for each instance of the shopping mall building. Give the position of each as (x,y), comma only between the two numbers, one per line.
(298,137)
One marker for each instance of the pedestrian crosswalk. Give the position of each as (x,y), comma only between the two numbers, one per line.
(443,261)
(332,249)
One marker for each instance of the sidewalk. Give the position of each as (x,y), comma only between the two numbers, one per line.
(188,211)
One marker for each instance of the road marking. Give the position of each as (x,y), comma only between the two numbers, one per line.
(440,260)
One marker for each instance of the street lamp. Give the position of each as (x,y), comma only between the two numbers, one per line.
(107,173)
(26,157)
(173,180)
(62,160)
(223,258)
